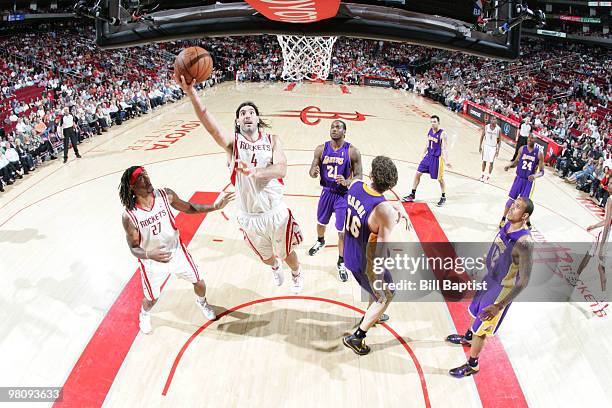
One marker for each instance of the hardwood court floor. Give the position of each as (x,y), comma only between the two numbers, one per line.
(64,264)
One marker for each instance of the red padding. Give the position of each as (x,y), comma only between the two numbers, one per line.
(296,11)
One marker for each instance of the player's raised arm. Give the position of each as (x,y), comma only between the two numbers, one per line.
(220,135)
(193,208)
(133,239)
(316,162)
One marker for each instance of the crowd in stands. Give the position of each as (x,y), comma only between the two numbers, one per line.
(565,91)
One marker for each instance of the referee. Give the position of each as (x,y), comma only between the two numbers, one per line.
(524,132)
(69,134)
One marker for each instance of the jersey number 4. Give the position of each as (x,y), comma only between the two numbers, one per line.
(254,160)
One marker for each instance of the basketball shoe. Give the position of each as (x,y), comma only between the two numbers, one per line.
(277,273)
(356,344)
(206,310)
(342,273)
(463,371)
(297,282)
(316,247)
(408,199)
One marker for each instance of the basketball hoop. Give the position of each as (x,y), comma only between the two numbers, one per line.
(306,57)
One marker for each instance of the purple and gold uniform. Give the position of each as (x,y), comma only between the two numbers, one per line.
(333,198)
(432,163)
(361,201)
(502,275)
(527,165)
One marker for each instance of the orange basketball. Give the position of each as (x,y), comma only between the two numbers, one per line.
(193,62)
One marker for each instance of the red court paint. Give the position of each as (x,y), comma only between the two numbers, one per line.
(217,240)
(94,372)
(345,89)
(318,299)
(290,87)
(497,384)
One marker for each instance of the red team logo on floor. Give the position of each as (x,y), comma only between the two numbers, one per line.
(312,115)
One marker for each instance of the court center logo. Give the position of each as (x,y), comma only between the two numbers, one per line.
(312,115)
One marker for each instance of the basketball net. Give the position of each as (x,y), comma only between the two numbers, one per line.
(306,57)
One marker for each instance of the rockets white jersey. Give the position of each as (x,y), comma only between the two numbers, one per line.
(156,227)
(255,196)
(491,135)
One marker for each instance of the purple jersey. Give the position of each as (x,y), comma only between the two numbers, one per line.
(335,163)
(361,202)
(501,271)
(528,162)
(434,142)
(502,275)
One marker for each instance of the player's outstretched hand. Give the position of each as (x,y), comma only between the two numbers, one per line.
(531,177)
(186,87)
(341,180)
(223,200)
(159,255)
(506,168)
(316,171)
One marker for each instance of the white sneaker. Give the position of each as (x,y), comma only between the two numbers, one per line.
(297,282)
(144,322)
(486,180)
(278,276)
(207,311)
(482,177)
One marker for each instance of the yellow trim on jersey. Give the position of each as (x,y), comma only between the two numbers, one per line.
(440,168)
(532,189)
(487,328)
(371,192)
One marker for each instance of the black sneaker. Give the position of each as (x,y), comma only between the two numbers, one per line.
(463,371)
(441,202)
(457,339)
(357,345)
(342,271)
(408,199)
(316,247)
(65,159)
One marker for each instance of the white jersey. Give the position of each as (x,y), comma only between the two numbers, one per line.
(255,196)
(491,135)
(156,227)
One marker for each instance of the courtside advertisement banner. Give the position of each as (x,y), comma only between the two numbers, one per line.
(378,81)
(296,11)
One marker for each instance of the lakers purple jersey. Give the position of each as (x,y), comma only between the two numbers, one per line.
(501,271)
(335,163)
(434,142)
(528,162)
(361,202)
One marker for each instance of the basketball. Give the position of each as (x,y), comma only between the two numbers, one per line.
(193,62)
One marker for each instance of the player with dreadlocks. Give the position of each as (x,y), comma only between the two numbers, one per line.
(154,239)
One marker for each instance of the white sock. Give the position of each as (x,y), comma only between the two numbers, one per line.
(276,265)
(201,300)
